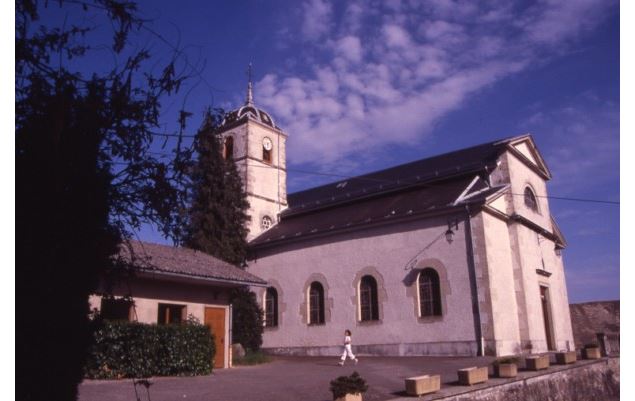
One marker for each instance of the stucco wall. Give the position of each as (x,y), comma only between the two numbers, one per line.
(265,183)
(533,251)
(147,295)
(387,253)
(506,335)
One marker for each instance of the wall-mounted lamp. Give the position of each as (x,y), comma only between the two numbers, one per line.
(558,251)
(449,234)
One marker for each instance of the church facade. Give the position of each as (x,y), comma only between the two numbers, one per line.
(456,254)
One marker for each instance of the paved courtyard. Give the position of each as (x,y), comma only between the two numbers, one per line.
(284,379)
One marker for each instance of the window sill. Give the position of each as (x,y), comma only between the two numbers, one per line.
(430,319)
(369,322)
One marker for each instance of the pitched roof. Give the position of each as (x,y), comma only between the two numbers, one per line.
(388,208)
(185,262)
(428,186)
(460,162)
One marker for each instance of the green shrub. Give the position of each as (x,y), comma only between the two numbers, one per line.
(352,384)
(129,349)
(247,324)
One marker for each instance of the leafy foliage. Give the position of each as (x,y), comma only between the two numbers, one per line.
(217,214)
(216,223)
(247,324)
(128,349)
(85,177)
(353,384)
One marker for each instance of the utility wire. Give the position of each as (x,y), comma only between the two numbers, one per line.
(405,181)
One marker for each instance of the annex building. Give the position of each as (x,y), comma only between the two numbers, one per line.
(456,254)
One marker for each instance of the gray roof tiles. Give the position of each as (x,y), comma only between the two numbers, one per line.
(180,261)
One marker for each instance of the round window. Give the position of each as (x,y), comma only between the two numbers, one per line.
(266,223)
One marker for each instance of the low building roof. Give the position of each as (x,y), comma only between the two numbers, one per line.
(172,261)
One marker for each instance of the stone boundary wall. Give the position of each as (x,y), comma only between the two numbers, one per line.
(590,318)
(588,382)
(447,348)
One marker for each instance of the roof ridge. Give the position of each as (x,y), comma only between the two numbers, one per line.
(445,154)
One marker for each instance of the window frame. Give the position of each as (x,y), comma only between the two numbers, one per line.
(164,312)
(228,148)
(368,299)
(262,222)
(110,305)
(266,155)
(271,312)
(431,305)
(529,196)
(316,312)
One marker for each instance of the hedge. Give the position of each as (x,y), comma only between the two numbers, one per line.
(129,349)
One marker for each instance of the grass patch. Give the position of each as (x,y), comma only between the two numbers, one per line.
(252,358)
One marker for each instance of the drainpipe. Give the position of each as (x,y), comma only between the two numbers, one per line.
(476,310)
(230,362)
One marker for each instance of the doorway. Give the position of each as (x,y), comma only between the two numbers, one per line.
(546,316)
(215,319)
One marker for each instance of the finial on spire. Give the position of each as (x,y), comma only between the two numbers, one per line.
(250,94)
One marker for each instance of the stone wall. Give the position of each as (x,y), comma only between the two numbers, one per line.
(589,382)
(590,318)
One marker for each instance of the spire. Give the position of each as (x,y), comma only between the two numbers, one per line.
(250,94)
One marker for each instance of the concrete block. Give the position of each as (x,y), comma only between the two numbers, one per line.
(423,384)
(472,375)
(350,397)
(506,370)
(591,353)
(537,362)
(564,358)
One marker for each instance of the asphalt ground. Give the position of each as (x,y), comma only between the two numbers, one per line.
(307,379)
(284,379)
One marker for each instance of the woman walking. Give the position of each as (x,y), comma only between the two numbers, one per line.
(347,348)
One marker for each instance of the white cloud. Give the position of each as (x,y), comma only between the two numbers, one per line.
(316,19)
(350,48)
(389,72)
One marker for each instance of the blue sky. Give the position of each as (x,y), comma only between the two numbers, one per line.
(364,85)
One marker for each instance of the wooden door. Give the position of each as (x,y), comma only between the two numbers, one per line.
(546,315)
(215,319)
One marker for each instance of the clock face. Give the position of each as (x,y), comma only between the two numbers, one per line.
(267,144)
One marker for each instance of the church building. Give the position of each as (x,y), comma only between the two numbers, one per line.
(456,254)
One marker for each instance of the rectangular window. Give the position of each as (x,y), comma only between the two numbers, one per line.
(366,303)
(116,309)
(271,308)
(266,155)
(427,299)
(171,314)
(316,307)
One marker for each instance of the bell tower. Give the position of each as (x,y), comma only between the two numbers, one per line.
(258,147)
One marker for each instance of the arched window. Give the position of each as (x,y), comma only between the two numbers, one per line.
(316,303)
(229,148)
(271,307)
(429,293)
(266,223)
(368,302)
(530,199)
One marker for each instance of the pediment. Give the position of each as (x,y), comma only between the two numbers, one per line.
(525,149)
